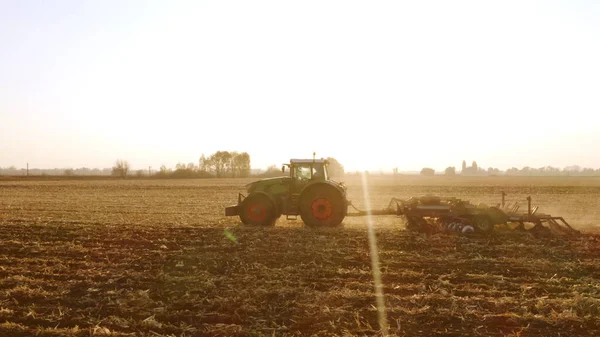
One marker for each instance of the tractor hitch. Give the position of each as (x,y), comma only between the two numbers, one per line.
(235,209)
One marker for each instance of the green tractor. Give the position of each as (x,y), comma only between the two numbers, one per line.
(307,192)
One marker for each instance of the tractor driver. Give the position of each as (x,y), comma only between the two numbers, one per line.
(315,173)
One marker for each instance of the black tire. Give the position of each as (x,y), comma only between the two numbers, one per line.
(258,210)
(414,224)
(322,205)
(483,224)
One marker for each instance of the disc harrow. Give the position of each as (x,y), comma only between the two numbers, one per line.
(432,214)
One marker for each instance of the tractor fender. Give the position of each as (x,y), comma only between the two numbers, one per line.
(321,183)
(327,182)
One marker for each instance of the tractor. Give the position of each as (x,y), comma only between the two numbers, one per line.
(307,192)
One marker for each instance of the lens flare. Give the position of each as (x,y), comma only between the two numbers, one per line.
(381,311)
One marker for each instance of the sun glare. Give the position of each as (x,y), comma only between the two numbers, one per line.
(374,253)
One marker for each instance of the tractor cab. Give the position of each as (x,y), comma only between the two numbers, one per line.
(305,171)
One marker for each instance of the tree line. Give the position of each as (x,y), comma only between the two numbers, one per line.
(221,164)
(475,170)
(81,171)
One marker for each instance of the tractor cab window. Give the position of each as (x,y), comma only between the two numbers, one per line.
(319,172)
(305,172)
(302,173)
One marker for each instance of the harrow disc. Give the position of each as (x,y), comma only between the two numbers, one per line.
(483,224)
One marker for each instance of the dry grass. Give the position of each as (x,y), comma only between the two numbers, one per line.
(152,258)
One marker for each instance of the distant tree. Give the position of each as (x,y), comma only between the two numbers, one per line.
(464,166)
(426,171)
(272,171)
(450,171)
(588,171)
(221,161)
(84,171)
(206,165)
(140,173)
(335,169)
(474,166)
(493,171)
(225,163)
(184,171)
(240,166)
(121,168)
(513,171)
(573,169)
(69,172)
(163,172)
(202,163)
(550,171)
(231,167)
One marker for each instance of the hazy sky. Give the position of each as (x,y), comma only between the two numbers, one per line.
(375,84)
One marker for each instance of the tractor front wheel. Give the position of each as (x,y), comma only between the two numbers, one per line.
(258,210)
(322,206)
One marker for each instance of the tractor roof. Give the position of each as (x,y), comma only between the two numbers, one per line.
(308,161)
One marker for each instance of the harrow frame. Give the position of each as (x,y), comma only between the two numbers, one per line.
(446,212)
(555,223)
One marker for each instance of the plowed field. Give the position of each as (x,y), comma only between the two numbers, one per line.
(158,258)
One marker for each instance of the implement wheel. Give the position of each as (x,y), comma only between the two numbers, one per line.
(322,205)
(483,224)
(258,210)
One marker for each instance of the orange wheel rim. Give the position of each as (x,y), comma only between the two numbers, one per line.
(256,212)
(321,208)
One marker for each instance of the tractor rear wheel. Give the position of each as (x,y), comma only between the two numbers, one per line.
(322,206)
(483,224)
(258,210)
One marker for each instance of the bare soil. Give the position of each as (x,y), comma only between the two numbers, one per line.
(158,258)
